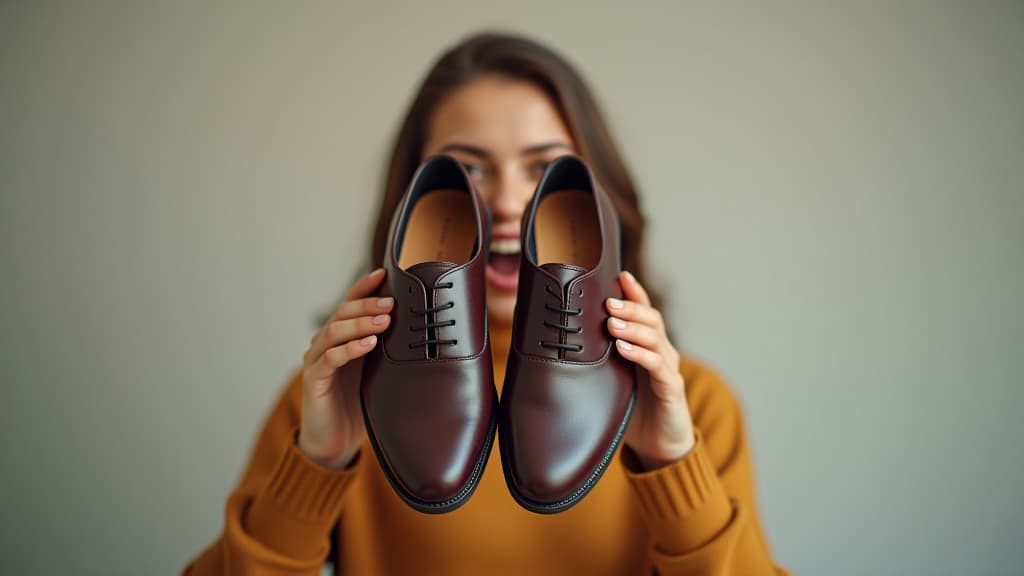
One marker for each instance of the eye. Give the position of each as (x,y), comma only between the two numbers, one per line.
(537,169)
(474,170)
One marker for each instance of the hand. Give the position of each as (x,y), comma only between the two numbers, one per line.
(661,430)
(332,420)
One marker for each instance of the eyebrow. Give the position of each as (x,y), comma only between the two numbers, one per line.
(544,148)
(467,148)
(483,153)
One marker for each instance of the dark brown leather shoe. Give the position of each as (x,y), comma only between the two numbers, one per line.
(428,393)
(568,394)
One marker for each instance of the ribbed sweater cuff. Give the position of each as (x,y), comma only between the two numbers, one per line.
(298,507)
(684,503)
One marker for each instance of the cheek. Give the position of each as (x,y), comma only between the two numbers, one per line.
(527,195)
(501,307)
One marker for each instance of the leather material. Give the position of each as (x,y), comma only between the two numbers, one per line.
(427,389)
(568,394)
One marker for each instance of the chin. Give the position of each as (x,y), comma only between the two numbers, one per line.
(500,307)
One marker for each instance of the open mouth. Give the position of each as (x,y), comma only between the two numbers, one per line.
(503,264)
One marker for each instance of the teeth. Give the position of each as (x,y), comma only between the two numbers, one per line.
(505,246)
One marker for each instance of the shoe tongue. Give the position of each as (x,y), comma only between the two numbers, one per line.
(564,273)
(429,272)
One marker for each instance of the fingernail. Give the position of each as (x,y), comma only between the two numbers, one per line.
(378,320)
(385,302)
(618,324)
(368,341)
(629,275)
(616,303)
(625,345)
(376,273)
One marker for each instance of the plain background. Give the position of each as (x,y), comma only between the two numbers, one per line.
(835,192)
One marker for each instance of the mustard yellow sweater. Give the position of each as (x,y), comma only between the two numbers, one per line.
(696,516)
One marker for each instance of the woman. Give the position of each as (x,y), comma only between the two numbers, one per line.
(678,499)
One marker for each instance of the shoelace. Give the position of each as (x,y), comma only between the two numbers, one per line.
(429,326)
(563,329)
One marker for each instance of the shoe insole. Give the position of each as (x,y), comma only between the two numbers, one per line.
(440,229)
(566,229)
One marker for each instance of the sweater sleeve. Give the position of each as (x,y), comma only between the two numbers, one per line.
(279,517)
(700,510)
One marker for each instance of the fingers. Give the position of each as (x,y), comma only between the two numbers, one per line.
(363,307)
(366,285)
(351,331)
(632,289)
(636,333)
(649,360)
(636,313)
(640,335)
(333,358)
(664,376)
(338,332)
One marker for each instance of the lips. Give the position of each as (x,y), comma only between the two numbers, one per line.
(503,264)
(503,271)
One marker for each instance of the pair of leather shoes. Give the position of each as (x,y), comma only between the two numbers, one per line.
(428,396)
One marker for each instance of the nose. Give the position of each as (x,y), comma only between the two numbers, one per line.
(508,196)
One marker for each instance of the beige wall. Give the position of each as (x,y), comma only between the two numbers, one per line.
(836,193)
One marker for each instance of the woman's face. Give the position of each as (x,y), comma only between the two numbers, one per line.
(504,132)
